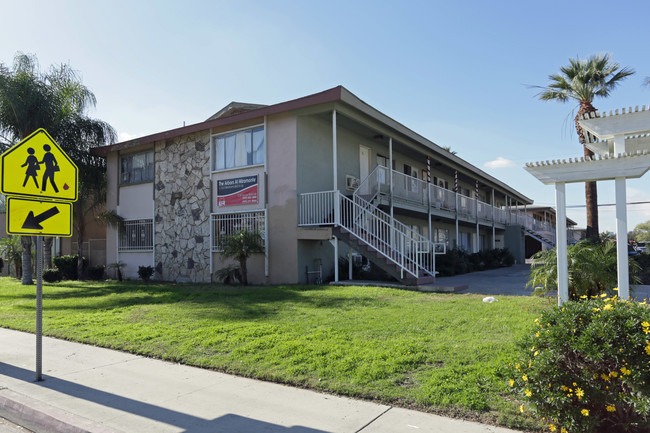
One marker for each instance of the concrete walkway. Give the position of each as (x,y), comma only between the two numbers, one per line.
(502,281)
(90,389)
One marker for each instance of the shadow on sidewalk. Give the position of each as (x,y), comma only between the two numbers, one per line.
(230,423)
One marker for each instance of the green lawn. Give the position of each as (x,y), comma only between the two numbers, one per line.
(443,353)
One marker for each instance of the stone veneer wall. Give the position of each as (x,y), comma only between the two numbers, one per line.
(182,208)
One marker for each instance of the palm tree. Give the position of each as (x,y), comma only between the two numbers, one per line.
(57,101)
(240,246)
(582,81)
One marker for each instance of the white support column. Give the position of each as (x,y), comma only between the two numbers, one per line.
(334,151)
(350,264)
(562,262)
(621,240)
(390,180)
(336,259)
(621,226)
(494,241)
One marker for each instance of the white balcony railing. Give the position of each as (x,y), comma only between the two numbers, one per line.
(418,192)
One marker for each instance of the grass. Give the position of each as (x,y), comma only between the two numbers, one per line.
(441,353)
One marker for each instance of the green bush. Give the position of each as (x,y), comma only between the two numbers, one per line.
(591,267)
(643,261)
(95,273)
(51,275)
(67,265)
(584,367)
(458,261)
(145,272)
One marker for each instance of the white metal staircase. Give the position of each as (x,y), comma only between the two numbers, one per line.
(395,247)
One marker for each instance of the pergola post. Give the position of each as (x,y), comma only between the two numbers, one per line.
(560,235)
(621,240)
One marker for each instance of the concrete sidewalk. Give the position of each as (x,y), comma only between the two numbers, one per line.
(90,389)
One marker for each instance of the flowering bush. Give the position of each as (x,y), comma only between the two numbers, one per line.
(586,367)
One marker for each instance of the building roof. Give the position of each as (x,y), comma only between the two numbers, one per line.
(233,109)
(240,112)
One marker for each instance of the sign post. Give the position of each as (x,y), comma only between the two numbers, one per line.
(38,204)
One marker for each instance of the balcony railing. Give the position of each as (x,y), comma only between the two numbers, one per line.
(417,192)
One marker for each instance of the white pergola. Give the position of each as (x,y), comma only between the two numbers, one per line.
(621,146)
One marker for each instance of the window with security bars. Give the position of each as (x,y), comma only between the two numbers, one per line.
(231,223)
(136,235)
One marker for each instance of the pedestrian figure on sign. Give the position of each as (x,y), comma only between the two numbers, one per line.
(51,167)
(32,167)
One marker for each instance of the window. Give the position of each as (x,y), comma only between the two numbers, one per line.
(136,168)
(136,235)
(440,235)
(231,223)
(239,149)
(383,174)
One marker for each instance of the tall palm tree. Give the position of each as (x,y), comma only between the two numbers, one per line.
(57,101)
(583,81)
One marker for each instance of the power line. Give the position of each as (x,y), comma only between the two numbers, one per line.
(611,204)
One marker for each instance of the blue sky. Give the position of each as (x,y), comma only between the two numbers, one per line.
(456,72)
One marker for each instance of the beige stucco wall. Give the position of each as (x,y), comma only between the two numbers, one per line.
(282,199)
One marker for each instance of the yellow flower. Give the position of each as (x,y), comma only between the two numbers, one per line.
(607,307)
(521,408)
(615,289)
(536,353)
(528,393)
(565,388)
(605,377)
(579,393)
(525,377)
(551,427)
(625,371)
(563,430)
(647,349)
(613,374)
(512,382)
(610,409)
(645,324)
(603,295)
(585,412)
(583,297)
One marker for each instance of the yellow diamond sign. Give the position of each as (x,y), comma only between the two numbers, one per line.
(38,168)
(38,217)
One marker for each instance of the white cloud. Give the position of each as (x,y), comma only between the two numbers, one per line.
(500,162)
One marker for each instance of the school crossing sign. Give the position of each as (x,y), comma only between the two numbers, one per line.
(38,168)
(41,181)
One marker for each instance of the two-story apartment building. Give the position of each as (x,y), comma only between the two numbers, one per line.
(317,177)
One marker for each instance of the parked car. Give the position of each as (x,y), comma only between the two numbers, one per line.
(642,247)
(632,251)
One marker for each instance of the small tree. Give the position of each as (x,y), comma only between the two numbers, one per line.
(591,268)
(10,248)
(240,246)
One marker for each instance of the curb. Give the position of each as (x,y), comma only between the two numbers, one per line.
(43,418)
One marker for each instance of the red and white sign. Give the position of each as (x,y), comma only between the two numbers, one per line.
(237,191)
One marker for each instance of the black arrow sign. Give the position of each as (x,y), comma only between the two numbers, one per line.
(34,222)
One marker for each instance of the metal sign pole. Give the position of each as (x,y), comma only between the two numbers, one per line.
(39,308)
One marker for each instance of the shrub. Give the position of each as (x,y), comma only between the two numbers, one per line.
(643,261)
(145,272)
(51,275)
(228,275)
(2,264)
(584,367)
(95,273)
(458,261)
(67,265)
(591,267)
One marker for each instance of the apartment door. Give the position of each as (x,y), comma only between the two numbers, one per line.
(364,167)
